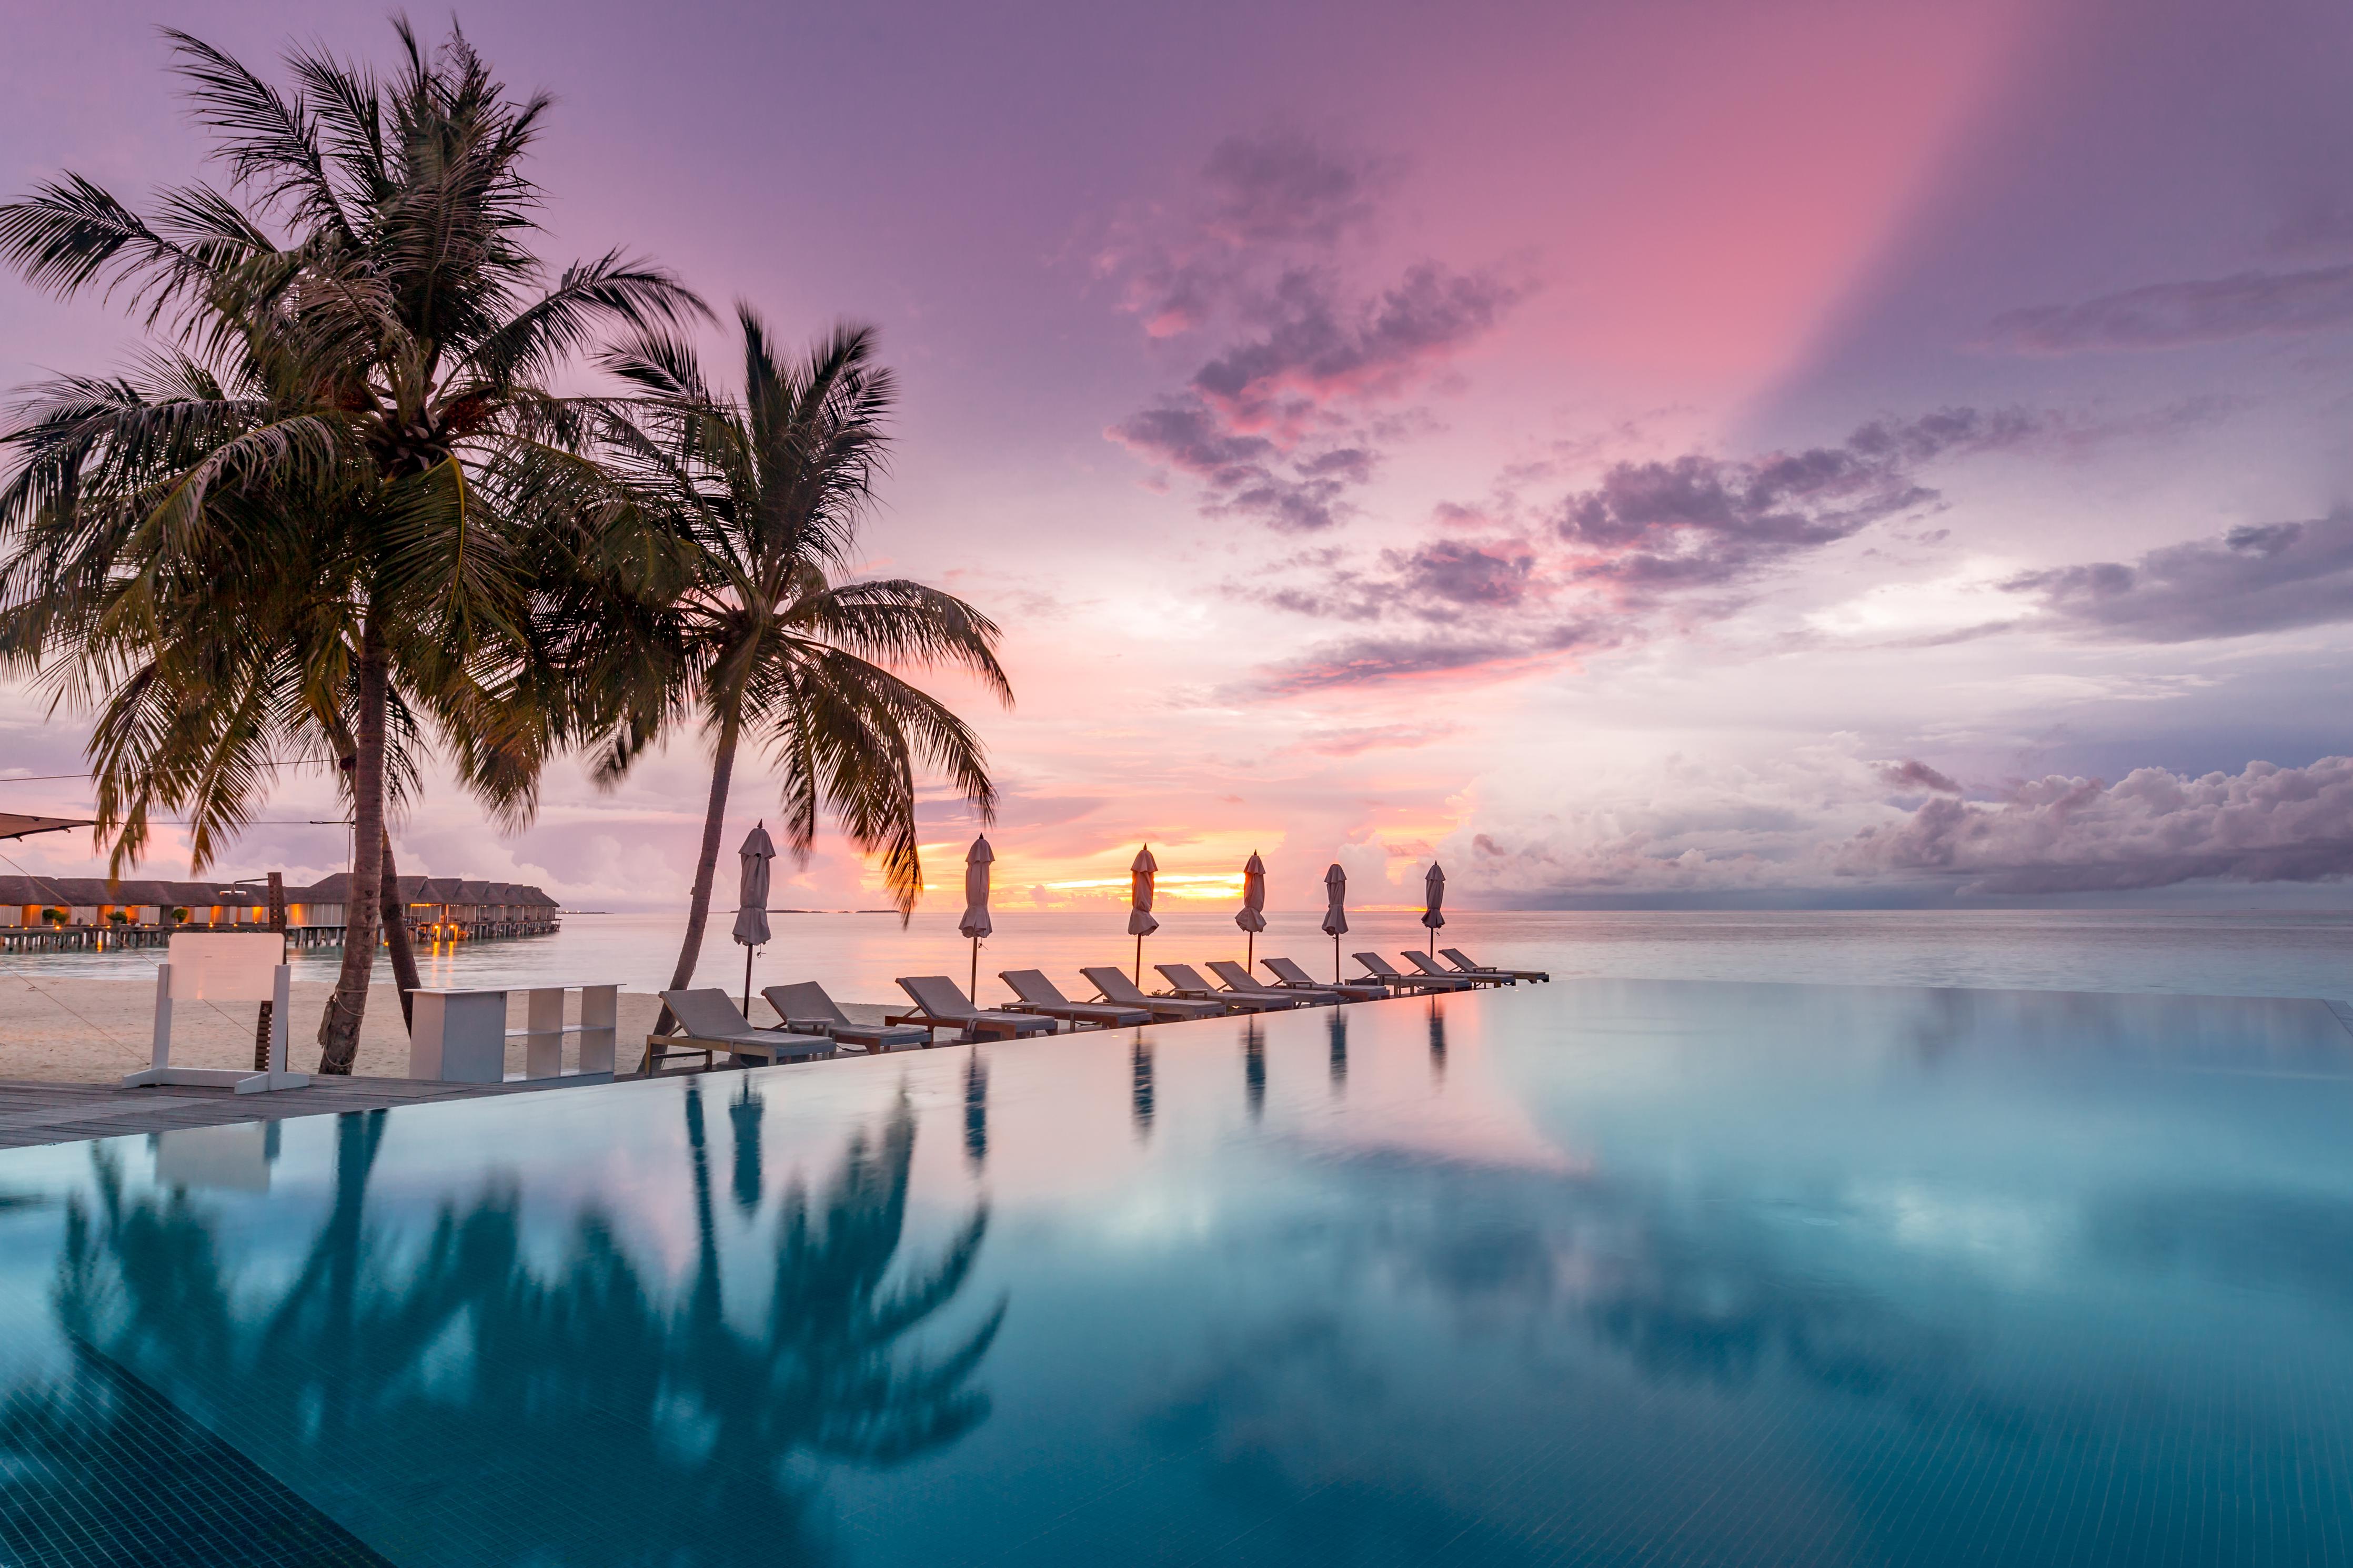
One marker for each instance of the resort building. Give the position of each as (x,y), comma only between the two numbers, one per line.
(440,907)
(49,912)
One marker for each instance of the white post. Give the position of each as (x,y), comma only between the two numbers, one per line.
(163,1056)
(282,987)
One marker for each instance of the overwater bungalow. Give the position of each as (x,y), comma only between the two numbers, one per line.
(67,914)
(442,907)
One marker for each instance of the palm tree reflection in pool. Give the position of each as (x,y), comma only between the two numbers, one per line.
(1140,1086)
(744,1114)
(1254,1067)
(975,1110)
(464,1398)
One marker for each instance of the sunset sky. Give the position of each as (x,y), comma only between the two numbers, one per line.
(1695,452)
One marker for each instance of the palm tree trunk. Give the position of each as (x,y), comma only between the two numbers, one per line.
(339,1028)
(395,911)
(697,909)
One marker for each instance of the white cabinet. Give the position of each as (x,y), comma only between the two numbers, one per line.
(460,1036)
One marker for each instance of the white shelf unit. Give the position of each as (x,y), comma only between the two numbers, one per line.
(460,1036)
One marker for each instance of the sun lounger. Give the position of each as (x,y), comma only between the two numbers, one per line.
(940,1002)
(1462,964)
(1184,979)
(1290,976)
(805,1009)
(1043,997)
(1114,986)
(1397,979)
(1430,965)
(708,1022)
(1239,984)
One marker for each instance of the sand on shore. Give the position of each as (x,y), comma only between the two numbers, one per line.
(64,1029)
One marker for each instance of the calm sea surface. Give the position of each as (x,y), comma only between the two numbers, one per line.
(2270,954)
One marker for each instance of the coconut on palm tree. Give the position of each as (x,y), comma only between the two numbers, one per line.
(772,641)
(306,525)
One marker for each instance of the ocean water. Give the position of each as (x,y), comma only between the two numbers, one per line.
(2254,953)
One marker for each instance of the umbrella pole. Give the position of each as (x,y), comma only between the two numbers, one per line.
(1139,960)
(1335,958)
(1250,950)
(747,982)
(975,992)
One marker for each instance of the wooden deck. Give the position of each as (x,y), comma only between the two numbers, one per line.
(67,1112)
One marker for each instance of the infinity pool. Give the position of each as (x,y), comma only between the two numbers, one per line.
(1597,1272)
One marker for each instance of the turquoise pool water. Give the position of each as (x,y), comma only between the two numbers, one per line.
(1608,1271)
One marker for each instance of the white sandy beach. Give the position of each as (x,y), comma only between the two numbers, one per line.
(65,1029)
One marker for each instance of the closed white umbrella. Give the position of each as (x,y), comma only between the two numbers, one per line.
(1140,923)
(975,923)
(1433,894)
(1335,912)
(1251,916)
(751,901)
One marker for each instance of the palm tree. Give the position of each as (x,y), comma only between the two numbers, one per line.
(769,639)
(304,526)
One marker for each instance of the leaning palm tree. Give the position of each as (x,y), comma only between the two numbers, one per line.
(771,639)
(305,528)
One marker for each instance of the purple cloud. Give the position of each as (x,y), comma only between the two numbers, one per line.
(1321,346)
(1283,188)
(1363,661)
(2256,578)
(1439,582)
(1912,774)
(1188,437)
(1647,533)
(2171,315)
(1243,474)
(1703,522)
(1266,421)
(1258,196)
(1457,573)
(2152,829)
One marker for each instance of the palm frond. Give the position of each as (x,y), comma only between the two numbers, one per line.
(897,621)
(70,233)
(348,101)
(270,139)
(444,572)
(661,363)
(609,292)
